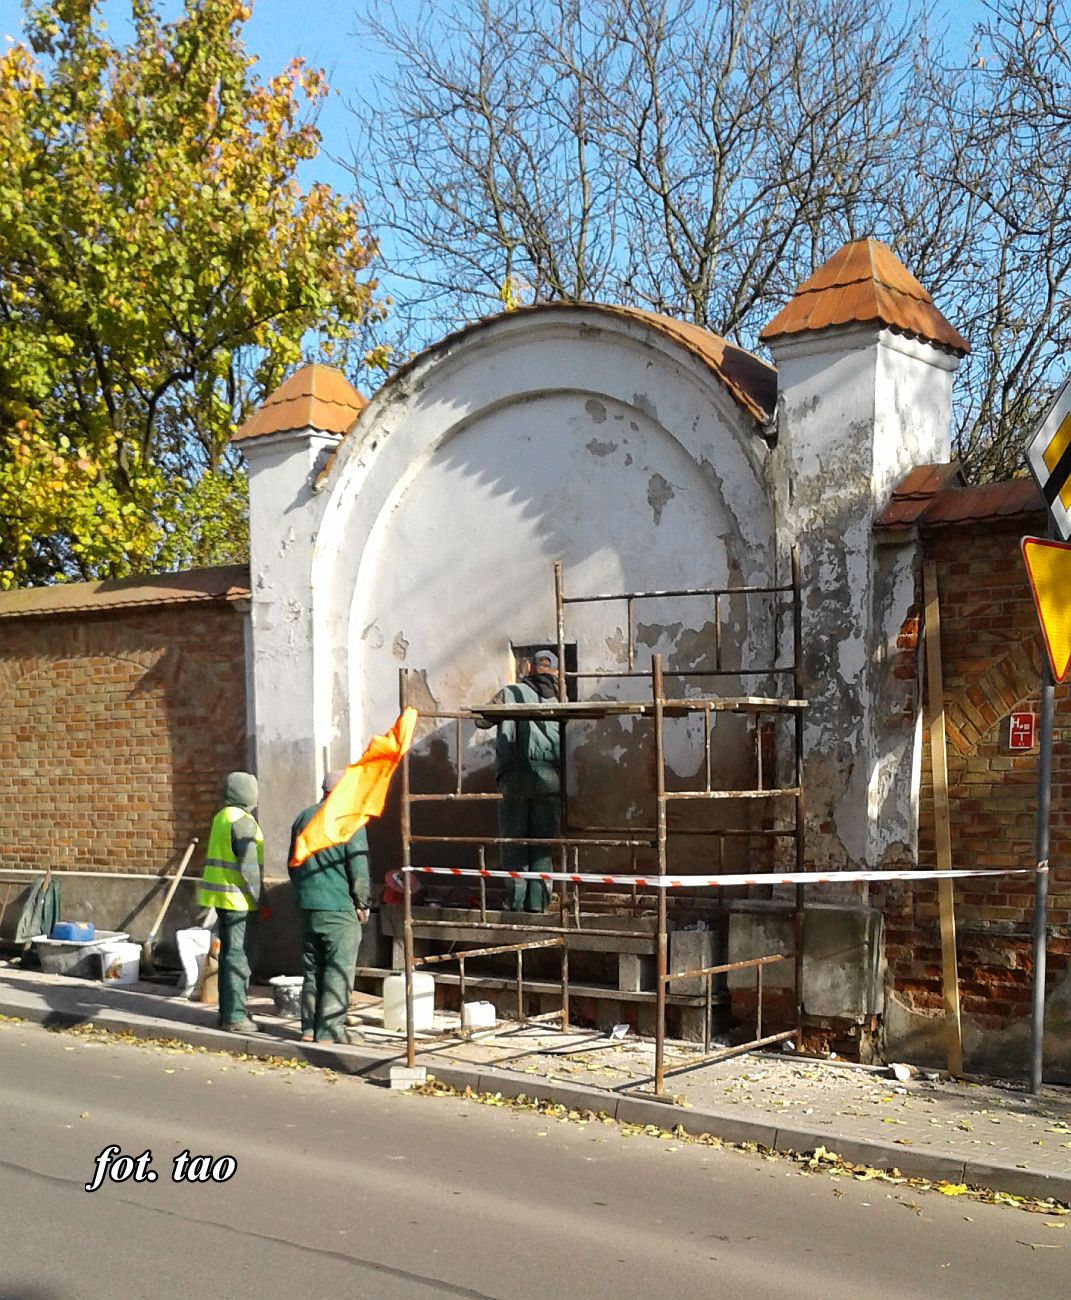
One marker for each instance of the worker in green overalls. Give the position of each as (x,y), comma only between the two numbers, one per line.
(332,891)
(232,883)
(528,777)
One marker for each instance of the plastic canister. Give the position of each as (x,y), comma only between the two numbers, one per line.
(423,1001)
(478,1015)
(120,963)
(73,931)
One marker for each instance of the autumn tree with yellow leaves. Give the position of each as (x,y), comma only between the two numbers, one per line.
(160,269)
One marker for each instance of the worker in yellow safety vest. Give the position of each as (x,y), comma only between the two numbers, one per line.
(232,884)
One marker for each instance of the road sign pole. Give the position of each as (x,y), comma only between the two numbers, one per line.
(1041,873)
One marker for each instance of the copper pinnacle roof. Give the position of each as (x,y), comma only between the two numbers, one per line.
(315,397)
(933,496)
(226,583)
(863,283)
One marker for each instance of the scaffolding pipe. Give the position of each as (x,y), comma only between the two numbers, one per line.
(797,686)
(662,944)
(407,901)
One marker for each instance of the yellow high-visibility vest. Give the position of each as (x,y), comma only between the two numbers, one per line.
(222,886)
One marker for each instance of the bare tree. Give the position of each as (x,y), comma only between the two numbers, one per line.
(702,158)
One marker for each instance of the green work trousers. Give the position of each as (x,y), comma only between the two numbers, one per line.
(237,953)
(527,819)
(329,943)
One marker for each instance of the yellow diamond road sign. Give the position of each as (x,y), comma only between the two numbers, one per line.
(1049,456)
(1048,565)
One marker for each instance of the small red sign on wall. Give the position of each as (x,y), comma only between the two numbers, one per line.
(1022,731)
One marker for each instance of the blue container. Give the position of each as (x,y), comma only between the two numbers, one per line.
(73,931)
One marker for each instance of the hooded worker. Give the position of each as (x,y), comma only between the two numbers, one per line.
(332,891)
(232,883)
(528,777)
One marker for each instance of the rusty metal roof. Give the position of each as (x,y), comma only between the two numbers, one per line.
(935,496)
(863,283)
(222,585)
(314,397)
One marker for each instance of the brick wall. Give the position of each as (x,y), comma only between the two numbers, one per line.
(115,728)
(991,654)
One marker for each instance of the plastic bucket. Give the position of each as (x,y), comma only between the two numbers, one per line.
(120,963)
(286,991)
(423,1001)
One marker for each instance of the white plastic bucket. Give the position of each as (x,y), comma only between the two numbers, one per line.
(120,963)
(423,1001)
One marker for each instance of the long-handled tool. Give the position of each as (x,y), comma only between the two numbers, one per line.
(147,964)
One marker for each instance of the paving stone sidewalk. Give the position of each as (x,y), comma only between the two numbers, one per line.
(987,1133)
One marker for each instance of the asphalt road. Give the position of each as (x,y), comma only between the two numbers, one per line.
(344,1188)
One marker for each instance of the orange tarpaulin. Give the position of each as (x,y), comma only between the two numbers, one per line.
(360,794)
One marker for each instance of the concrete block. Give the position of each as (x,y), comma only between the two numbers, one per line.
(843,954)
(635,973)
(638,1110)
(756,929)
(842,961)
(691,950)
(1017,1182)
(404,1076)
(457,1077)
(730,1129)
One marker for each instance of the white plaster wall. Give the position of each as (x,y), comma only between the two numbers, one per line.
(858,408)
(913,426)
(284,515)
(569,436)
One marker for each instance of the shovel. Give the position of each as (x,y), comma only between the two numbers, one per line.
(147,964)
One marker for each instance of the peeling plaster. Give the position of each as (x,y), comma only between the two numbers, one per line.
(596,410)
(659,494)
(373,636)
(601,448)
(400,647)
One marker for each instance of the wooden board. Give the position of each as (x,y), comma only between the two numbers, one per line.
(935,718)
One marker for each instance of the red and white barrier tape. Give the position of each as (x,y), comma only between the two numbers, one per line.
(685,882)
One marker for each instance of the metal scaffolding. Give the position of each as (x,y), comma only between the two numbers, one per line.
(573,840)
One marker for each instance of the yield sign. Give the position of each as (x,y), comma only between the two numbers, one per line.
(1049,456)
(1048,565)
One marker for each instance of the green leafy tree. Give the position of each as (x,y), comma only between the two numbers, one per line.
(160,269)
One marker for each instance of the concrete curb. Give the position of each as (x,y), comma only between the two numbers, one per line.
(627,1109)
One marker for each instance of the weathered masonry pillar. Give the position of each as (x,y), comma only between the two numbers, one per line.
(865,368)
(286,445)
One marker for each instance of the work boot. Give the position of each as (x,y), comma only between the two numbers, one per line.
(246,1026)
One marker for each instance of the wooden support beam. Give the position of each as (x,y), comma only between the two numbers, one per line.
(935,721)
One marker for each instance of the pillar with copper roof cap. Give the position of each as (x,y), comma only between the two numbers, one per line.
(286,444)
(865,369)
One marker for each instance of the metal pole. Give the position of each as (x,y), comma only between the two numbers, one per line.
(520,984)
(565,986)
(797,686)
(661,959)
(559,609)
(407,901)
(1041,876)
